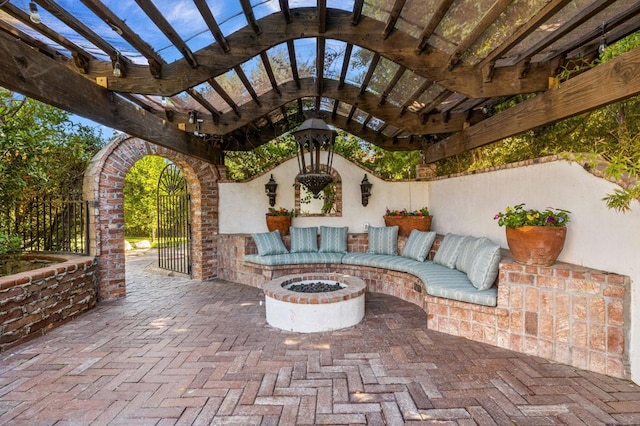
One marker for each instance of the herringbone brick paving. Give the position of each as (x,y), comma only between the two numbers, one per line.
(178,351)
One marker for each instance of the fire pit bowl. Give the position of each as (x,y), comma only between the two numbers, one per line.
(305,312)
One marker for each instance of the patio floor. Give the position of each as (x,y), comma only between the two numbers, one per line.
(178,351)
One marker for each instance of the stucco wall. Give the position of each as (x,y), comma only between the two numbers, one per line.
(243,205)
(597,237)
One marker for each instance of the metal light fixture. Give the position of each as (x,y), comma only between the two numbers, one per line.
(34,15)
(365,189)
(313,137)
(270,190)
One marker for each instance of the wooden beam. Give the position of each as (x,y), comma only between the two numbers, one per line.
(393,17)
(225,96)
(211,22)
(394,81)
(348,94)
(320,45)
(267,67)
(247,9)
(611,82)
(464,79)
(284,8)
(45,31)
(32,41)
(345,64)
(370,71)
(322,16)
(487,20)
(523,32)
(431,26)
(161,22)
(577,20)
(293,61)
(26,71)
(414,96)
(357,12)
(247,84)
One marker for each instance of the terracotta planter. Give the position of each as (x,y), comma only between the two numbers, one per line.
(281,223)
(409,223)
(536,245)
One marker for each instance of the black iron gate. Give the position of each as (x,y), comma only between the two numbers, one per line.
(174,223)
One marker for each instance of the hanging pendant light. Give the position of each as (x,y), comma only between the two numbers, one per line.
(316,142)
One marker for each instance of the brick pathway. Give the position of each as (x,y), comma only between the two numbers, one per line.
(177,351)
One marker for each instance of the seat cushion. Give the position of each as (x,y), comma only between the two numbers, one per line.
(485,265)
(294,258)
(441,281)
(383,261)
(269,243)
(418,245)
(304,240)
(333,239)
(383,240)
(448,251)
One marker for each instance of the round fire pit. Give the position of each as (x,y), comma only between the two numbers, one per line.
(310,310)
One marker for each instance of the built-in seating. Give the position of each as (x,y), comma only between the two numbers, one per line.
(444,276)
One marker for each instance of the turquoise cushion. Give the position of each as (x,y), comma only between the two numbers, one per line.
(468,251)
(441,281)
(269,243)
(383,240)
(294,258)
(418,245)
(304,240)
(448,251)
(484,268)
(333,239)
(383,261)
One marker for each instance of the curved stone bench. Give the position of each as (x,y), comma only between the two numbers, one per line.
(566,313)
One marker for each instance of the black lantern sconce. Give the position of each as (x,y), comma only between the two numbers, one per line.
(270,189)
(365,189)
(313,137)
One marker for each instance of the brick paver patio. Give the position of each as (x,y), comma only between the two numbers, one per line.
(178,351)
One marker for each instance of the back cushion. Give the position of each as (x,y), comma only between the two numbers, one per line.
(269,243)
(449,250)
(485,265)
(467,252)
(304,240)
(418,245)
(333,239)
(383,240)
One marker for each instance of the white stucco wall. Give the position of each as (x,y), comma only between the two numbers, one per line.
(597,237)
(243,205)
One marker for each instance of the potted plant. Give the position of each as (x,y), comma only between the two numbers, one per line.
(280,219)
(534,237)
(408,221)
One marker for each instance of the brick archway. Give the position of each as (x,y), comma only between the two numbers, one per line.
(103,187)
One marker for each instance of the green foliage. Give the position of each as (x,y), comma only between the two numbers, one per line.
(516,216)
(404,212)
(140,196)
(281,211)
(10,244)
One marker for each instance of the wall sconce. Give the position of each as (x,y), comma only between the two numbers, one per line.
(365,189)
(270,190)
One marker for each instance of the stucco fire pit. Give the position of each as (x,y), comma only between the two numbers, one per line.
(314,312)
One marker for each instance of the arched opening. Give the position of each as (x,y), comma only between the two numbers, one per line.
(104,188)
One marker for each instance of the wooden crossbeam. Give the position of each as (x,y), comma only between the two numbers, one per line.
(393,17)
(431,26)
(247,84)
(225,96)
(161,22)
(26,71)
(206,104)
(211,22)
(394,81)
(247,9)
(369,75)
(293,61)
(345,63)
(269,71)
(357,12)
(322,16)
(320,64)
(284,8)
(32,41)
(616,80)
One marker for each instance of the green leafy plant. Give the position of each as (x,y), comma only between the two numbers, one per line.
(280,212)
(404,212)
(516,216)
(10,244)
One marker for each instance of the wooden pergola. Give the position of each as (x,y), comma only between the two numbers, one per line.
(203,77)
